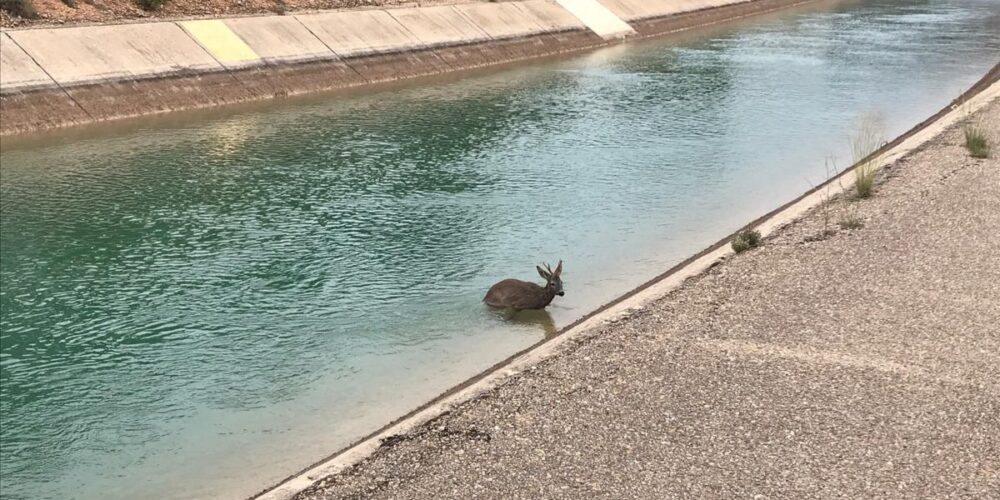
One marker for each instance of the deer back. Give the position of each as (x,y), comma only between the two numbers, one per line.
(518,294)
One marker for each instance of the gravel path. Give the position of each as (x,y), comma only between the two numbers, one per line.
(864,364)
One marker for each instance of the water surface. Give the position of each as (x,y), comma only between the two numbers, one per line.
(202,306)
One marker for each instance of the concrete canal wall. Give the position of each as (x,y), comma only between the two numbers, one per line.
(54,77)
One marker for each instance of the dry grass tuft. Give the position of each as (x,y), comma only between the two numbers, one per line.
(867,138)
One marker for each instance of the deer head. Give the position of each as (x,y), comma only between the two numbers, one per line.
(553,280)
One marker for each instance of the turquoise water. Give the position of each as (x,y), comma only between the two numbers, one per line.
(200,306)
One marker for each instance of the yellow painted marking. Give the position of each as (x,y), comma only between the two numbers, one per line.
(220,41)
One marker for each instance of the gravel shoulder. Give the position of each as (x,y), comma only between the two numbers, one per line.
(865,363)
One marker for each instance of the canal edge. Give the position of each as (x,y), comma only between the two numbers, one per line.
(55,78)
(986,90)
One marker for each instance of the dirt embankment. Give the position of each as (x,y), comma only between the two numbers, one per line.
(19,13)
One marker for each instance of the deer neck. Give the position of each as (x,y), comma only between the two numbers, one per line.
(549,294)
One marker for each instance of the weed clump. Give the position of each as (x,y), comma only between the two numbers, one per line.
(864,179)
(745,240)
(20,8)
(975,142)
(864,142)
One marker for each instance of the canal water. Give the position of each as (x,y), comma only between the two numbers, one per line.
(199,306)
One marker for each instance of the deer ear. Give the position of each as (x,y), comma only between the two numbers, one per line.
(543,273)
(558,270)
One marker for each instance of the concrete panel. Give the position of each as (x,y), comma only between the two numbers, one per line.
(692,5)
(17,70)
(598,18)
(438,26)
(303,77)
(92,53)
(683,6)
(550,15)
(355,33)
(126,98)
(719,3)
(625,9)
(500,20)
(39,109)
(280,39)
(696,12)
(220,41)
(573,41)
(631,10)
(399,65)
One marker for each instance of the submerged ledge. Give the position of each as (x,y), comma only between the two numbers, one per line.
(453,421)
(59,77)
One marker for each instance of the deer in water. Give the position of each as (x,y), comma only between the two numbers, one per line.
(517,294)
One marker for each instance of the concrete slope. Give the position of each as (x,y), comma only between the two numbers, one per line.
(438,26)
(549,15)
(500,20)
(220,41)
(598,18)
(357,33)
(631,10)
(19,70)
(281,39)
(93,53)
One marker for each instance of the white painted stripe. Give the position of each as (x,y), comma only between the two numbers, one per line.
(598,18)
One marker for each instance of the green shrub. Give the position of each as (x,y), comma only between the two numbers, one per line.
(151,4)
(745,240)
(740,246)
(975,142)
(20,8)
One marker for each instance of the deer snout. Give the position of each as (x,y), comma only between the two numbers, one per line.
(561,293)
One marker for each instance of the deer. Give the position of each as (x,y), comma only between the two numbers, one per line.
(517,295)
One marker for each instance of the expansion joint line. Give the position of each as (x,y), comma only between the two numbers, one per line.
(334,52)
(423,46)
(56,82)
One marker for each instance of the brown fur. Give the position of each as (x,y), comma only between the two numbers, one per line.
(517,294)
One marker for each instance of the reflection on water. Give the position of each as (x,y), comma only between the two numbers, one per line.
(539,320)
(199,308)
